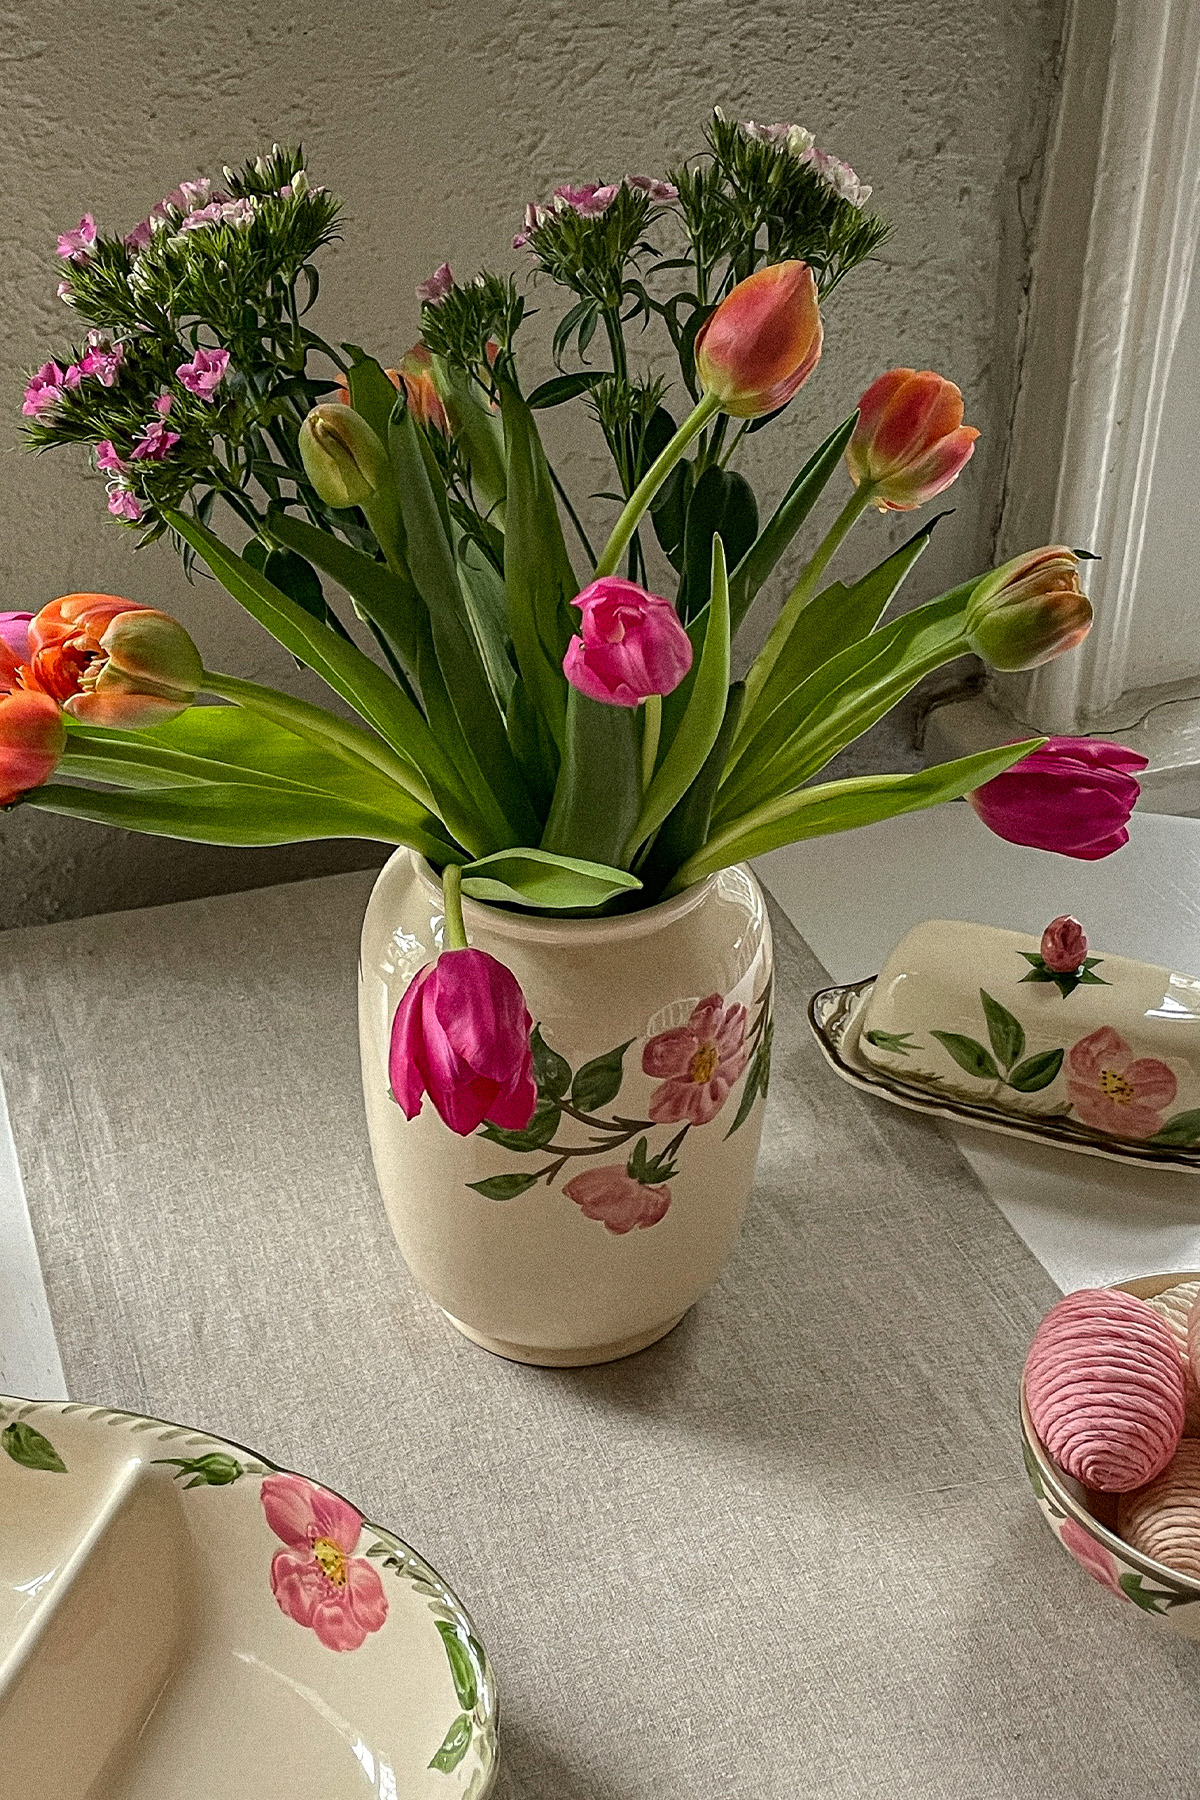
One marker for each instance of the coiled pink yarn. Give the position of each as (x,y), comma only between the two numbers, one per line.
(1163,1519)
(1106,1391)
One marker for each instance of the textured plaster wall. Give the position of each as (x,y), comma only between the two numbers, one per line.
(436,122)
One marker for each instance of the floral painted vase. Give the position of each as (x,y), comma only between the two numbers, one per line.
(587,1235)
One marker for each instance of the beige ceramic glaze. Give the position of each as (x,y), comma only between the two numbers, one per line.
(590,1237)
(967,1011)
(178,1617)
(1073,1515)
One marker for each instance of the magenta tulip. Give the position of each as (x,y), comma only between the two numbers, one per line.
(1064,945)
(631,644)
(1073,796)
(461,1035)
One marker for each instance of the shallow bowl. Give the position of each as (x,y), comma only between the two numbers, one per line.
(1088,1535)
(179,1616)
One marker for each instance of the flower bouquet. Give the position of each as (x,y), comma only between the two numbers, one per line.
(551,724)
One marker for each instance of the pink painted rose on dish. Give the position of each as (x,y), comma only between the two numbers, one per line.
(1113,1090)
(317,1580)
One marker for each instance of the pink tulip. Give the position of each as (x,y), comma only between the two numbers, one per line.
(631,644)
(763,341)
(461,1035)
(14,647)
(910,441)
(1064,945)
(1073,796)
(32,738)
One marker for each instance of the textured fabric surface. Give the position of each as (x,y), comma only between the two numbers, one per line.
(787,1552)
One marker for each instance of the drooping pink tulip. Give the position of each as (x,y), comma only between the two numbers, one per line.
(1064,945)
(762,342)
(630,644)
(32,738)
(461,1035)
(14,647)
(910,442)
(1073,796)
(108,661)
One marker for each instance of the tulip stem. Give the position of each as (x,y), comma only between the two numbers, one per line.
(454,932)
(652,480)
(651,727)
(315,723)
(799,598)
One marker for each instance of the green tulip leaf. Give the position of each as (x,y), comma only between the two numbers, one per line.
(773,540)
(550,882)
(228,813)
(722,504)
(29,1448)
(386,599)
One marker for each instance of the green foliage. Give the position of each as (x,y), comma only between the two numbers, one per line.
(549,883)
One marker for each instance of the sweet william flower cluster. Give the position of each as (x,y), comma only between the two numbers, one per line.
(500,667)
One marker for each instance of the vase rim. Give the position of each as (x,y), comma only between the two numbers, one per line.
(540,928)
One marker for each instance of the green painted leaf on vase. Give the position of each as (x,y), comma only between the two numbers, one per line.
(536,1135)
(503,1187)
(454,1747)
(551,1071)
(599,1081)
(29,1448)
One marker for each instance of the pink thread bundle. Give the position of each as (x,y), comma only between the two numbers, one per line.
(1113,1388)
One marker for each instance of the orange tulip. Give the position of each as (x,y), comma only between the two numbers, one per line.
(342,393)
(910,441)
(424,401)
(108,661)
(762,342)
(1029,610)
(32,738)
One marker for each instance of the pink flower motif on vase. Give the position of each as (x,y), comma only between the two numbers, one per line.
(617,1200)
(1114,1091)
(317,1580)
(697,1063)
(1100,1563)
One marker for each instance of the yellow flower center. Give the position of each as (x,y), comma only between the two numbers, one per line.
(1115,1087)
(332,1561)
(704,1063)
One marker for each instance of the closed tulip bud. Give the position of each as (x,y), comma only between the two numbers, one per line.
(461,1035)
(343,458)
(32,738)
(762,342)
(1073,796)
(110,662)
(424,401)
(1029,610)
(910,441)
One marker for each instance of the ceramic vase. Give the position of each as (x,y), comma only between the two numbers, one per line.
(588,1235)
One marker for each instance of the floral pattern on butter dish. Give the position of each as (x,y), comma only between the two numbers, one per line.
(1114,1091)
(696,1065)
(317,1580)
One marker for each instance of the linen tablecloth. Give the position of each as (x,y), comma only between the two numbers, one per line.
(789,1551)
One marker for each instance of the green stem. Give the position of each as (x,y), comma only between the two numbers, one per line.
(651,728)
(800,596)
(580,533)
(652,480)
(728,456)
(454,932)
(314,722)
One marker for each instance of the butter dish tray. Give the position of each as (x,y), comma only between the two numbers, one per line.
(836,1015)
(179,1617)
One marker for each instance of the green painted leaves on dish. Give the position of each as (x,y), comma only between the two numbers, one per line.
(214,1469)
(461,1666)
(1036,1072)
(1005,1031)
(1006,1035)
(968,1054)
(454,1746)
(28,1447)
(1182,1129)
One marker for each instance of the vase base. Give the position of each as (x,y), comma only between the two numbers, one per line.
(548,1356)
